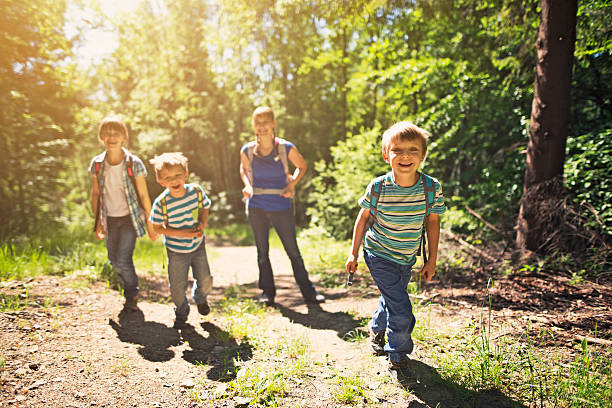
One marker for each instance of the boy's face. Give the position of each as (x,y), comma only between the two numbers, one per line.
(264,128)
(173,178)
(112,139)
(405,156)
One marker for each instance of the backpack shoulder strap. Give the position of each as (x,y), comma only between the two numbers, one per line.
(281,153)
(164,208)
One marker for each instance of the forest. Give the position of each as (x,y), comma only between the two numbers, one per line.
(185,75)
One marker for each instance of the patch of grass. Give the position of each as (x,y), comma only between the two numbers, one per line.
(350,390)
(122,367)
(13,303)
(356,335)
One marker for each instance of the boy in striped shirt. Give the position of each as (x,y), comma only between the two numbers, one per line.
(180,213)
(398,204)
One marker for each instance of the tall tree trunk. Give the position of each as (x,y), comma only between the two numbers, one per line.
(549,111)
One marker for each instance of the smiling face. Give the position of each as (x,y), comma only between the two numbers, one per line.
(264,127)
(173,178)
(113,139)
(405,157)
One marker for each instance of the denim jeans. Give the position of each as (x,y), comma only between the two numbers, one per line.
(394,312)
(120,242)
(178,275)
(284,224)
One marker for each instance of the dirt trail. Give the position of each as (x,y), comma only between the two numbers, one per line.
(84,353)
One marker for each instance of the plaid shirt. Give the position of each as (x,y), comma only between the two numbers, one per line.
(136,212)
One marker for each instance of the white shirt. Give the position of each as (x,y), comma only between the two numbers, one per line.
(114,191)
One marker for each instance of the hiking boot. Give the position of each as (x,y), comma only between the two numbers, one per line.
(319,298)
(203,308)
(400,371)
(267,300)
(377,341)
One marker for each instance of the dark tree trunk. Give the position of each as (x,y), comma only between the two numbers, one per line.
(549,112)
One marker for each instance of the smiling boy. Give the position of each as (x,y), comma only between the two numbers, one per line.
(180,213)
(399,204)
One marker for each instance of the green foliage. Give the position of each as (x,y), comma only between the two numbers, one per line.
(343,180)
(588,173)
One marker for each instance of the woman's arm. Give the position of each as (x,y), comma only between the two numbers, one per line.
(300,169)
(247,191)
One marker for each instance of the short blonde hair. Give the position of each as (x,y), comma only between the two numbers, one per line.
(112,123)
(167,160)
(404,131)
(263,111)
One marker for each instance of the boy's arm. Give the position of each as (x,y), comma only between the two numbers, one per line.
(159,228)
(300,169)
(95,200)
(358,231)
(247,191)
(143,193)
(433,238)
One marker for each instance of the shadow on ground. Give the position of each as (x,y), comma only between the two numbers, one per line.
(425,383)
(214,347)
(318,318)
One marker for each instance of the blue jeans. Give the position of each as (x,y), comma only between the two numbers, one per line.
(120,243)
(178,274)
(394,312)
(284,224)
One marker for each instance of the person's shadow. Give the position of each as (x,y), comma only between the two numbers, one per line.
(219,349)
(425,383)
(317,318)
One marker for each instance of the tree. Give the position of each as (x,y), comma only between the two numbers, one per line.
(548,129)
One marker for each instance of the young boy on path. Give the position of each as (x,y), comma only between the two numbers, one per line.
(399,205)
(121,203)
(180,213)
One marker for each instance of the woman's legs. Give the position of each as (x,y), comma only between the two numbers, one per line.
(261,230)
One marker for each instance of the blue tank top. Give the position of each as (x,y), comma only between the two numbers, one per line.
(269,173)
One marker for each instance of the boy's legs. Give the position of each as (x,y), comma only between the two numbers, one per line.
(120,243)
(178,268)
(284,224)
(261,230)
(201,275)
(392,280)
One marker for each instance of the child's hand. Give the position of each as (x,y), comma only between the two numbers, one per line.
(428,271)
(99,231)
(151,231)
(247,191)
(351,264)
(197,232)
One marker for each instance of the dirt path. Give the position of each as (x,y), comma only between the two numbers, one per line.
(71,347)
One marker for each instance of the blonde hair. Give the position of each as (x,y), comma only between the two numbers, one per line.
(404,131)
(112,123)
(263,111)
(167,160)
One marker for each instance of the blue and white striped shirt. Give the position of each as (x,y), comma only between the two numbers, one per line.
(396,235)
(182,214)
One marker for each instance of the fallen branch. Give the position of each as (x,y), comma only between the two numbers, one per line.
(470,246)
(475,214)
(601,342)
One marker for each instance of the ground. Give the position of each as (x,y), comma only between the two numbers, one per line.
(72,347)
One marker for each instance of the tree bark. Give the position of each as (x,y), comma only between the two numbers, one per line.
(550,109)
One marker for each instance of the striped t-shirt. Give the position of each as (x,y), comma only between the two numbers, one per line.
(182,214)
(396,235)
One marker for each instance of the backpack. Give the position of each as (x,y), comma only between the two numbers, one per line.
(130,170)
(164,206)
(280,153)
(429,190)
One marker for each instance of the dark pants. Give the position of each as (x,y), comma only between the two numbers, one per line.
(120,243)
(284,224)
(394,312)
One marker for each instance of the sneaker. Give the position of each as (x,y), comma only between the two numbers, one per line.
(269,301)
(377,341)
(203,308)
(319,298)
(400,371)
